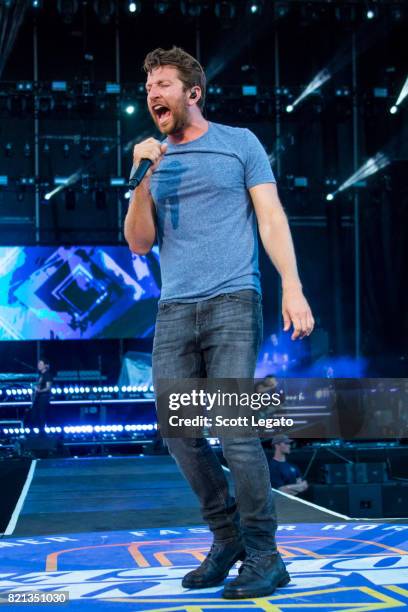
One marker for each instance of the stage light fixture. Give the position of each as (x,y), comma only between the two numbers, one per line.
(396,13)
(249,90)
(371,13)
(161,6)
(330,197)
(46,104)
(112,88)
(135,8)
(225,10)
(254,7)
(191,8)
(290,108)
(281,9)
(67,9)
(8,149)
(344,13)
(104,10)
(24,86)
(320,78)
(393,109)
(86,151)
(370,167)
(130,109)
(215,90)
(117,181)
(61,180)
(59,86)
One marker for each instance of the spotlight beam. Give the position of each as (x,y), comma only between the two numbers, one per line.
(240,37)
(403,93)
(70,181)
(76,176)
(320,78)
(370,167)
(367,36)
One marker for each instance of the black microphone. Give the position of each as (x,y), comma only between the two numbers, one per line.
(138,173)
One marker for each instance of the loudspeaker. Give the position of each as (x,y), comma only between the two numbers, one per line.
(335,497)
(370,472)
(365,500)
(339,473)
(395,499)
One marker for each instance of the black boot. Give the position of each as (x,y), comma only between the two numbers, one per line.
(215,567)
(259,576)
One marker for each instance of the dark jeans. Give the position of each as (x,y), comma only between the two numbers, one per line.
(219,338)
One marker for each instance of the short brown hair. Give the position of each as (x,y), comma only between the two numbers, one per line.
(190,70)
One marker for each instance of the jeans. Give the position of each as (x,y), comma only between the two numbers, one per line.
(219,338)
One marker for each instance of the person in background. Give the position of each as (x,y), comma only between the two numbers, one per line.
(42,395)
(285,476)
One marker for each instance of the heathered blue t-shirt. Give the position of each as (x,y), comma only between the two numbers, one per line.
(206,223)
(282,473)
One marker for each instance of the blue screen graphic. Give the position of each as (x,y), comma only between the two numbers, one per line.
(78,292)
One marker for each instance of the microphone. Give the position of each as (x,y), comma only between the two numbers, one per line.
(138,173)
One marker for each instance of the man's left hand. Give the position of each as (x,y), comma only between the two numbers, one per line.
(296,311)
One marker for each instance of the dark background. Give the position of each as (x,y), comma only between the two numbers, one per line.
(327,137)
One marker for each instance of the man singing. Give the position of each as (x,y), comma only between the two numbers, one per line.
(208,191)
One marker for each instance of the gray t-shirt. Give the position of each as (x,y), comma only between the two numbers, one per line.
(206,224)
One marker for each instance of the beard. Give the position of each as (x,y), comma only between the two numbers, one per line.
(177,120)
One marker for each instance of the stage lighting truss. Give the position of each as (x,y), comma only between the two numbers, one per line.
(121,432)
(128,100)
(81,392)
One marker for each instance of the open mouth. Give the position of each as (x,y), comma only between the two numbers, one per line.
(162,113)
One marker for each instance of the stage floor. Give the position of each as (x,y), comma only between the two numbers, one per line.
(120,533)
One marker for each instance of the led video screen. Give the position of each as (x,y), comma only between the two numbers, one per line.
(78,292)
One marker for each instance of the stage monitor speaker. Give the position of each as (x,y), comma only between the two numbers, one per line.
(365,500)
(333,497)
(41,446)
(395,499)
(339,473)
(370,472)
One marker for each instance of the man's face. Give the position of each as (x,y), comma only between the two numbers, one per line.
(40,365)
(284,448)
(167,100)
(270,382)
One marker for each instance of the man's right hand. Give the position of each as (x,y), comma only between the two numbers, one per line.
(149,149)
